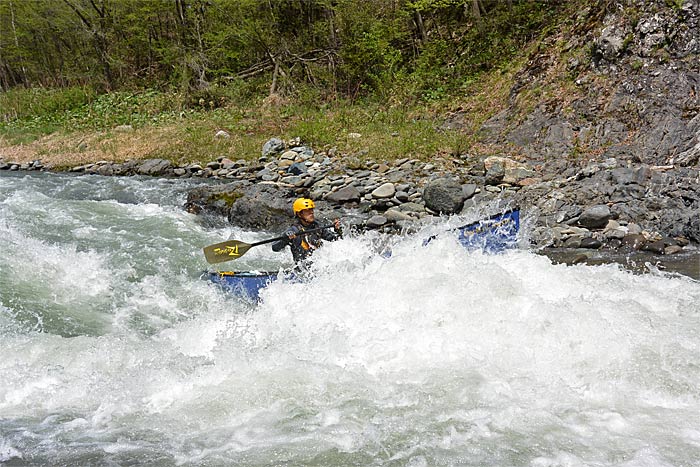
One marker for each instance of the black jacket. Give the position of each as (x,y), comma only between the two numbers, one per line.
(304,244)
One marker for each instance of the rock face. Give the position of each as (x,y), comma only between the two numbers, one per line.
(636,96)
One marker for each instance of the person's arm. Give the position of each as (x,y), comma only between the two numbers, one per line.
(280,244)
(335,233)
(291,234)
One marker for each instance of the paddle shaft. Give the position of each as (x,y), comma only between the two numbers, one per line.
(270,240)
(234,249)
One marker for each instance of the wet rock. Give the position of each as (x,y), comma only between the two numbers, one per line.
(154,167)
(375,222)
(634,241)
(395,215)
(672,249)
(654,247)
(591,243)
(579,259)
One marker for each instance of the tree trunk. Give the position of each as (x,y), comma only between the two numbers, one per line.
(418,18)
(99,33)
(476,9)
(273,86)
(23,75)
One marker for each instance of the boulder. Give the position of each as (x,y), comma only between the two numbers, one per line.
(154,167)
(443,195)
(595,217)
(344,195)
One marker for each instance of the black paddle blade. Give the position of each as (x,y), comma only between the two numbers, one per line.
(225,251)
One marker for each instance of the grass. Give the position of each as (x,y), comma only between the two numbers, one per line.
(75,127)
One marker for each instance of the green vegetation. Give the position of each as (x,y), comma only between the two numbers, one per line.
(73,74)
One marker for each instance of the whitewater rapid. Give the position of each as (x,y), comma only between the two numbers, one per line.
(114,351)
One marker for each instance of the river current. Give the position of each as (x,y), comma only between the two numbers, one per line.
(113,350)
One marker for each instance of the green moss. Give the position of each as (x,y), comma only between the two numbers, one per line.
(225,197)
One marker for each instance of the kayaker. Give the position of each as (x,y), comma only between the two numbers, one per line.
(302,245)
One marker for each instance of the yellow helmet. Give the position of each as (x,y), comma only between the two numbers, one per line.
(301,204)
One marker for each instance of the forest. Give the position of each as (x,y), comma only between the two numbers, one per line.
(330,48)
(177,71)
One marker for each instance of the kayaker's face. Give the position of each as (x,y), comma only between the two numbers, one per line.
(306,216)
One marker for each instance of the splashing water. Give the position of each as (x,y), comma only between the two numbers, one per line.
(114,351)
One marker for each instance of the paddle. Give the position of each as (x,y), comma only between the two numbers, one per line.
(234,249)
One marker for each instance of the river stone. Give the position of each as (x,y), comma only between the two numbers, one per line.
(154,167)
(346,194)
(402,196)
(655,247)
(573,242)
(673,249)
(633,228)
(591,243)
(297,168)
(595,217)
(386,190)
(272,147)
(411,207)
(394,215)
(634,241)
(289,156)
(376,222)
(443,195)
(468,190)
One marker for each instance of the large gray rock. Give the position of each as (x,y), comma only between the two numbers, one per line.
(595,217)
(154,167)
(443,195)
(261,208)
(344,195)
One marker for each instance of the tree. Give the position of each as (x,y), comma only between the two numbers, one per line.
(96,18)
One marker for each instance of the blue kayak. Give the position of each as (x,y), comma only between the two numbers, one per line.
(247,284)
(492,235)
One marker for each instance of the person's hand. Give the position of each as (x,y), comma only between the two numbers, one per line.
(291,233)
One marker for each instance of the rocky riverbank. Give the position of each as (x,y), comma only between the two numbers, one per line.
(609,205)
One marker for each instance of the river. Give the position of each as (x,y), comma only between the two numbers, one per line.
(113,350)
